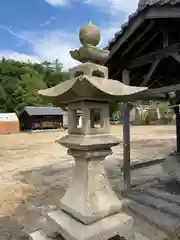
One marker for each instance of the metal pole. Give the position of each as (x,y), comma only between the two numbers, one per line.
(177,129)
(126,138)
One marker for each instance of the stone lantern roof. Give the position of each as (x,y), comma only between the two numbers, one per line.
(89,80)
(91,88)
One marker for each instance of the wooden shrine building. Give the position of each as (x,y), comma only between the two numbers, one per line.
(38,118)
(146,52)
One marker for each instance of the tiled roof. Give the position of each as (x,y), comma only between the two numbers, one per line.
(42,111)
(145,3)
(8,117)
(142,5)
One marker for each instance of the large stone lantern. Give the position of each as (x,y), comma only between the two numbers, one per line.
(89,209)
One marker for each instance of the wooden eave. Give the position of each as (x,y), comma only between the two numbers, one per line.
(148,14)
(160,52)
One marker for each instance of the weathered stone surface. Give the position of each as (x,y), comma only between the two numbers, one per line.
(91,54)
(91,88)
(39,235)
(90,34)
(134,236)
(90,209)
(104,229)
(89,69)
(90,197)
(90,37)
(89,142)
(87,110)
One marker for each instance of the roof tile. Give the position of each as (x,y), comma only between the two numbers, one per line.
(142,5)
(40,111)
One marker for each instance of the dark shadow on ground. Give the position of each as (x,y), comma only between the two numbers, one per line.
(170,186)
(151,143)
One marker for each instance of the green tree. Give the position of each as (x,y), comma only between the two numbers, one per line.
(19,82)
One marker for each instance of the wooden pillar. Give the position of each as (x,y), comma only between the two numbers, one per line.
(177,129)
(126,137)
(176,110)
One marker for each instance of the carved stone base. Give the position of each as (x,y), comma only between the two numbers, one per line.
(172,165)
(90,197)
(72,229)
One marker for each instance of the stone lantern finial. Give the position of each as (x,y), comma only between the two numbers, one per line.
(90,37)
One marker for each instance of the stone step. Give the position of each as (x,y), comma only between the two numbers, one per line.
(155,202)
(166,223)
(174,198)
(145,228)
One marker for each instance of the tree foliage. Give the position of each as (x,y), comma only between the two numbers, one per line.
(19,83)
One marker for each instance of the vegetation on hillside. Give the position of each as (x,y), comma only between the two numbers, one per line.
(20,81)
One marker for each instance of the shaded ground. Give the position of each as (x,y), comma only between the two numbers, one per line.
(35,171)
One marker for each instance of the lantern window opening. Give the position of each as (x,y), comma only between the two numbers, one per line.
(96,118)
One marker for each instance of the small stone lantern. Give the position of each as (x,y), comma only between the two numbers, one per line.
(89,209)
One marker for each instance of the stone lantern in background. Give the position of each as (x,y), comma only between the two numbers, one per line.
(89,209)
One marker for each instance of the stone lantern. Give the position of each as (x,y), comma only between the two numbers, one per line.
(89,209)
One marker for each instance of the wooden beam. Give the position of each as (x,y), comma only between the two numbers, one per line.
(166,89)
(151,13)
(165,37)
(138,38)
(157,82)
(163,12)
(176,56)
(133,27)
(151,57)
(138,52)
(148,42)
(150,73)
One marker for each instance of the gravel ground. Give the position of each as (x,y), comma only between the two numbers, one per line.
(35,171)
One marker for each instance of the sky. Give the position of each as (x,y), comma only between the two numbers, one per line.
(43,30)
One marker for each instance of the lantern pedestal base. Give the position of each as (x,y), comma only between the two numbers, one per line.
(89,197)
(71,229)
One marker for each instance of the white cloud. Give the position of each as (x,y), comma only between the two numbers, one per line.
(18,56)
(110,6)
(108,33)
(45,46)
(49,45)
(47,22)
(115,6)
(56,45)
(55,3)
